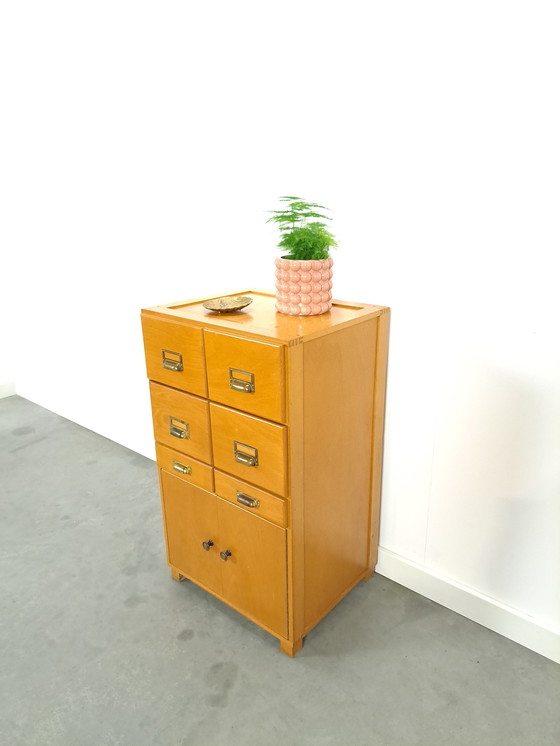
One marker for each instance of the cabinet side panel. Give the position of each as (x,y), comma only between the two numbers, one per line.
(296,548)
(378,431)
(337,449)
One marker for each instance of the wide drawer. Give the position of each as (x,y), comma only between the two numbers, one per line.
(254,500)
(246,374)
(249,448)
(181,421)
(185,467)
(174,354)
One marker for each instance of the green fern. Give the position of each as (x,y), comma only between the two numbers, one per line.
(301,235)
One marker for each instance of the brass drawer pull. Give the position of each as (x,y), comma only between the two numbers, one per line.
(174,363)
(182,468)
(225,555)
(207,544)
(247,500)
(248,457)
(246,386)
(180,430)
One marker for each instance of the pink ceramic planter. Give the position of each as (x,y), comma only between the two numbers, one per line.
(303,288)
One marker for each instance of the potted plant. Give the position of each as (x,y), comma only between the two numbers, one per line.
(303,274)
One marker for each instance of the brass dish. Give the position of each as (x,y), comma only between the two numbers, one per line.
(228,304)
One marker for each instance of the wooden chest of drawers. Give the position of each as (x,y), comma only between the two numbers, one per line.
(269,435)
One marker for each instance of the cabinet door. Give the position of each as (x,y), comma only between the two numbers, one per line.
(191,523)
(254,576)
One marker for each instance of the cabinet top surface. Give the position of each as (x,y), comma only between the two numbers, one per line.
(261,319)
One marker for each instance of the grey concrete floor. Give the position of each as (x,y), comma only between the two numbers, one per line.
(99,646)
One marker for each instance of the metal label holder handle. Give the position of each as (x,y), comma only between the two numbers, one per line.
(238,383)
(172,361)
(179,428)
(182,468)
(244,454)
(247,500)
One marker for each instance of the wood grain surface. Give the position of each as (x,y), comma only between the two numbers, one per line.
(172,461)
(191,518)
(264,361)
(270,507)
(169,403)
(268,438)
(254,577)
(163,334)
(337,447)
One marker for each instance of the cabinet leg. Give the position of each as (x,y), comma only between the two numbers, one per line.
(291,648)
(176,575)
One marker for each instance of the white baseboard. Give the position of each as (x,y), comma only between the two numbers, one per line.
(7,389)
(506,621)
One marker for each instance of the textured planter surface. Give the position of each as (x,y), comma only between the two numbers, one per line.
(303,288)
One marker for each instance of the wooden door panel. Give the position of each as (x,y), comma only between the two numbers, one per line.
(190,516)
(254,577)
(256,501)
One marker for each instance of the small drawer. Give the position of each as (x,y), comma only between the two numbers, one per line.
(185,467)
(256,501)
(249,448)
(246,374)
(181,421)
(174,354)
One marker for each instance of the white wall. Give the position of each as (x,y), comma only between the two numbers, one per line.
(147,140)
(7,362)
(7,327)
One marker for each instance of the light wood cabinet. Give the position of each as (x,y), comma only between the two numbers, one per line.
(269,434)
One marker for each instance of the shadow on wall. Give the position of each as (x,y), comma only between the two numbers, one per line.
(523,562)
(524,559)
(495,507)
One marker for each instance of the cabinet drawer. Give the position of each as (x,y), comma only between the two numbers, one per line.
(249,448)
(181,421)
(185,467)
(251,499)
(246,374)
(175,355)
